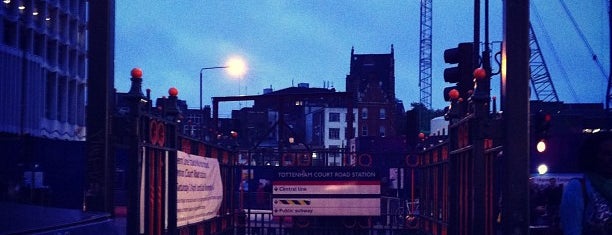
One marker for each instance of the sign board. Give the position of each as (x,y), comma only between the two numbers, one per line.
(199,188)
(336,191)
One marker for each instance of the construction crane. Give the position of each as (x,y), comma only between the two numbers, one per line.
(425,55)
(425,61)
(540,77)
(541,81)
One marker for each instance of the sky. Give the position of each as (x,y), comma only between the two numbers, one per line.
(285,43)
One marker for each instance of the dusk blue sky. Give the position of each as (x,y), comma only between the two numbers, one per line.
(289,42)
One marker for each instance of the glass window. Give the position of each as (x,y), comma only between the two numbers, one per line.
(381,131)
(334,133)
(364,131)
(364,113)
(382,114)
(334,117)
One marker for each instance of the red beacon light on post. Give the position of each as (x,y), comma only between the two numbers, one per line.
(480,73)
(173,91)
(136,73)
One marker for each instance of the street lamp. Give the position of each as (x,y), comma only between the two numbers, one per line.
(235,66)
(202,111)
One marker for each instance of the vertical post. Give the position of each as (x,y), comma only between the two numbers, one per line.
(100,159)
(609,90)
(515,94)
(215,114)
(201,127)
(476,128)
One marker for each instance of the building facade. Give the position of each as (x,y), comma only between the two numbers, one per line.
(43,58)
(372,82)
(380,117)
(43,83)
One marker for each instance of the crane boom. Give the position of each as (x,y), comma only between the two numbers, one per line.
(540,77)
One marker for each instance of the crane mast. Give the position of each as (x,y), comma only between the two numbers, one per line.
(425,61)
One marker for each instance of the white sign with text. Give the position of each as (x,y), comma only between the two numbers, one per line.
(199,188)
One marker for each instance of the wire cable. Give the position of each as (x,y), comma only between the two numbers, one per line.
(554,54)
(586,42)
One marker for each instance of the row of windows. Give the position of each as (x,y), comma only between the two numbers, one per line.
(382,113)
(64,99)
(334,133)
(66,55)
(67,22)
(381,131)
(335,117)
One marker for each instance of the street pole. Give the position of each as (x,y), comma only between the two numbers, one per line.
(515,124)
(201,137)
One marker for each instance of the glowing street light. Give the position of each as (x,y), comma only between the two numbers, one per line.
(541,146)
(236,66)
(542,169)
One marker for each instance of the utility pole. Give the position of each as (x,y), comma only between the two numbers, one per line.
(100,97)
(515,124)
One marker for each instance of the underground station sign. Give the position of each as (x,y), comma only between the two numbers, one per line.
(326,192)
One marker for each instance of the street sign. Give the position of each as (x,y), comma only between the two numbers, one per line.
(337,191)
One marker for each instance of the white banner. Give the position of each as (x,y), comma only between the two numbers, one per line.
(199,188)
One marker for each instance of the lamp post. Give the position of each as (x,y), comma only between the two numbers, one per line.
(235,67)
(202,111)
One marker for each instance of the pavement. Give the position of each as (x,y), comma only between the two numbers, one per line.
(30,219)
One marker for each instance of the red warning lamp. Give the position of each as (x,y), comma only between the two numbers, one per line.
(453,94)
(172,91)
(136,73)
(421,136)
(542,125)
(234,134)
(480,73)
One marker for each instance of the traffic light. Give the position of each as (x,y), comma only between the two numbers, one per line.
(462,74)
(541,127)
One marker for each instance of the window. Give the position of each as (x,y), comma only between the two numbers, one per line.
(364,113)
(334,117)
(51,96)
(382,114)
(334,133)
(364,131)
(381,131)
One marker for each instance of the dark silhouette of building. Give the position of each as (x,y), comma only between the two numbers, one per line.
(371,80)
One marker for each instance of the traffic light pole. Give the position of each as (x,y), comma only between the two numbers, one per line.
(481,110)
(515,124)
